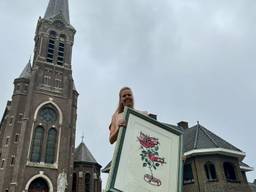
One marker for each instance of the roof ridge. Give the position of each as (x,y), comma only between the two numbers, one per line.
(212,140)
(196,137)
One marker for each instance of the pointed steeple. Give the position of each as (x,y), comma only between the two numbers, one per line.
(26,73)
(83,154)
(56,7)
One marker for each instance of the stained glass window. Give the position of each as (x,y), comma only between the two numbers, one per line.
(37,144)
(51,146)
(48,115)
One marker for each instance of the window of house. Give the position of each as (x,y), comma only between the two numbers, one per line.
(51,146)
(2,163)
(87,182)
(20,116)
(7,140)
(13,160)
(11,121)
(37,144)
(210,171)
(188,176)
(229,170)
(16,139)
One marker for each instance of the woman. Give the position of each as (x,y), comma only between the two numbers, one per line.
(125,100)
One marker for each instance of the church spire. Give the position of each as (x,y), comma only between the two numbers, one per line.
(56,7)
(26,73)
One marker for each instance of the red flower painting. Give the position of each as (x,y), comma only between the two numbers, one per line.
(149,155)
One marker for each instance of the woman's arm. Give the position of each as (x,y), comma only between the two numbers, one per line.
(116,123)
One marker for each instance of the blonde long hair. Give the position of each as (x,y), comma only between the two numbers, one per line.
(120,107)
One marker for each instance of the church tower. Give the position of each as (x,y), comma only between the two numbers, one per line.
(37,131)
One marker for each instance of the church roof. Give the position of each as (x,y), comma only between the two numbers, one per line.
(26,73)
(82,154)
(56,7)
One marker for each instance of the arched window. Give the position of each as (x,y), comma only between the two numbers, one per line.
(37,144)
(229,171)
(74,183)
(51,47)
(51,146)
(87,182)
(61,50)
(188,176)
(210,171)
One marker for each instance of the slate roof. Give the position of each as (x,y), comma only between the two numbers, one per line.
(245,167)
(26,73)
(198,137)
(55,7)
(82,154)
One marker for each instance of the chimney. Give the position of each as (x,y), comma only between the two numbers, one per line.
(183,124)
(153,116)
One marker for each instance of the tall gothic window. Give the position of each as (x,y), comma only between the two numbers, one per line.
(229,170)
(51,47)
(210,171)
(51,146)
(37,144)
(61,50)
(87,182)
(45,136)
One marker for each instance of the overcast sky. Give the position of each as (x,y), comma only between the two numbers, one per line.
(191,60)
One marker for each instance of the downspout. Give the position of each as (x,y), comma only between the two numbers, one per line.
(199,190)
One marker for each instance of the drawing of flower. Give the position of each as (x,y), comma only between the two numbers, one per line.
(150,157)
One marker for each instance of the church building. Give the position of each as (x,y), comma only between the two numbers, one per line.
(37,130)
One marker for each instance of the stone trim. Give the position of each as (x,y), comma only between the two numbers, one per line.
(223,151)
(41,174)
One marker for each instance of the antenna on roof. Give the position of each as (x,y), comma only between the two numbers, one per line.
(82,139)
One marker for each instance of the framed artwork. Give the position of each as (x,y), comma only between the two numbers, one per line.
(147,157)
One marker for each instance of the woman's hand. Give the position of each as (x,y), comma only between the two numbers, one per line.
(121,123)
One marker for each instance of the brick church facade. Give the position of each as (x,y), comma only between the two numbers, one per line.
(37,131)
